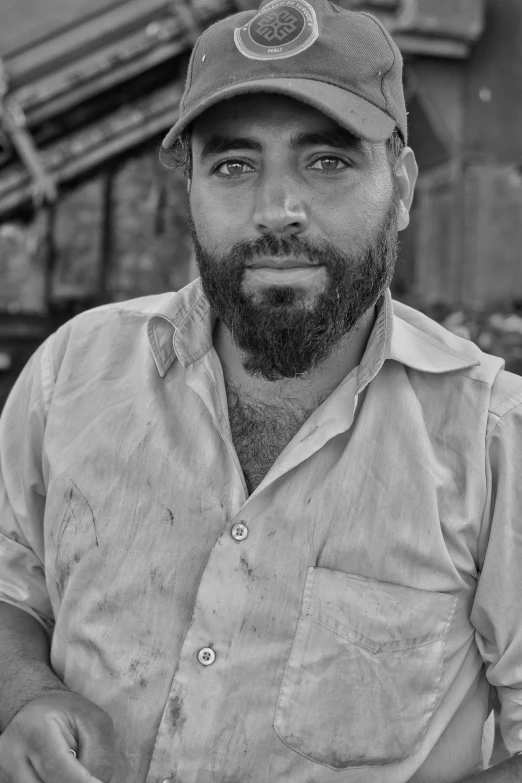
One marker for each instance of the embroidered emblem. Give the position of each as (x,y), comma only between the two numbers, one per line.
(282,28)
(278,26)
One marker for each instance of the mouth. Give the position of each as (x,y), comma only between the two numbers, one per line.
(280,263)
(269,273)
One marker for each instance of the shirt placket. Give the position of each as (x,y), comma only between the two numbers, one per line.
(192,713)
(214,617)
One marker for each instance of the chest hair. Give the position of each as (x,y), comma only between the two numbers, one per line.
(261,430)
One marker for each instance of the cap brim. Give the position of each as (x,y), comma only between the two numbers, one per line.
(352,112)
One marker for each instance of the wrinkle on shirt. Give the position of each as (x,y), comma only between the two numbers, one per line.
(115,534)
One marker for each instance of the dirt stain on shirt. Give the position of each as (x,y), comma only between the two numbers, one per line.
(177,720)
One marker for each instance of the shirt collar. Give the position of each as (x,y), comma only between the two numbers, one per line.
(183,325)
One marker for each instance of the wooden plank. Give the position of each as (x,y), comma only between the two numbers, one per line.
(89,75)
(437,273)
(78,238)
(102,71)
(115,24)
(493,235)
(107,236)
(48,250)
(27,21)
(440,88)
(69,45)
(97,143)
(154,126)
(412,44)
(21,269)
(458,19)
(494,89)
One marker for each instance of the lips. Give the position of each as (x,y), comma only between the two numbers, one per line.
(280,263)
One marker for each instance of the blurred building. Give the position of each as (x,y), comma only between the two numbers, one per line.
(89,89)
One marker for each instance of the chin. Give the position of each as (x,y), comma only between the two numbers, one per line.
(281,295)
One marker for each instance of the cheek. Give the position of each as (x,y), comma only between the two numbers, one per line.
(350,222)
(217,221)
(355,210)
(372,207)
(377,194)
(356,222)
(209,196)
(203,214)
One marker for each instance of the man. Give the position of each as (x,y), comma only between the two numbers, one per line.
(267,527)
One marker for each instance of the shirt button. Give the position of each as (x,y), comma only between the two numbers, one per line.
(206,656)
(239,532)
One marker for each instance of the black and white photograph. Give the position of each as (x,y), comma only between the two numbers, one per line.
(260,391)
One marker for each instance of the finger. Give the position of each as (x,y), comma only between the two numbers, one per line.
(33,774)
(20,770)
(60,766)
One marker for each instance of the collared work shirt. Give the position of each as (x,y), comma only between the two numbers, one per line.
(348,629)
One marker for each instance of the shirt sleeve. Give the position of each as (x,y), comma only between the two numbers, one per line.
(23,490)
(497,609)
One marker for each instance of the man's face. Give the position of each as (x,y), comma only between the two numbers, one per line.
(273,179)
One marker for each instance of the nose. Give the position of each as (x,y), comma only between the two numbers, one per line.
(279,208)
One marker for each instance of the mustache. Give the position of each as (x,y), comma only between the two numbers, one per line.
(246,251)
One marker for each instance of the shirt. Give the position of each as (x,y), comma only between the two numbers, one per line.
(344,622)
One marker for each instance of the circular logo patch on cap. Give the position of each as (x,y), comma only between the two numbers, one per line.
(282,28)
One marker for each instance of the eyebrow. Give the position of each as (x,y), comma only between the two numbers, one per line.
(338,138)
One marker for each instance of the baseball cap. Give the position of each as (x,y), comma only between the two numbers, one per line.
(343,63)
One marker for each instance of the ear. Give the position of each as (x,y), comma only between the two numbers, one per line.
(406,172)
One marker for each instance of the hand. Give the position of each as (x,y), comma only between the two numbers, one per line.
(35,745)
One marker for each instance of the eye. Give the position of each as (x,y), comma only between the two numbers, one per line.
(330,164)
(231,168)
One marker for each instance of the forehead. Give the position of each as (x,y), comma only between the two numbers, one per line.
(262,112)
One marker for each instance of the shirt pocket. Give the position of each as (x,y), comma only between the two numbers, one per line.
(363,675)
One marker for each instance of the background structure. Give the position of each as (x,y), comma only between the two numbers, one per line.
(89,215)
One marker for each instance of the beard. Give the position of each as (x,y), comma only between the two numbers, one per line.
(277,332)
